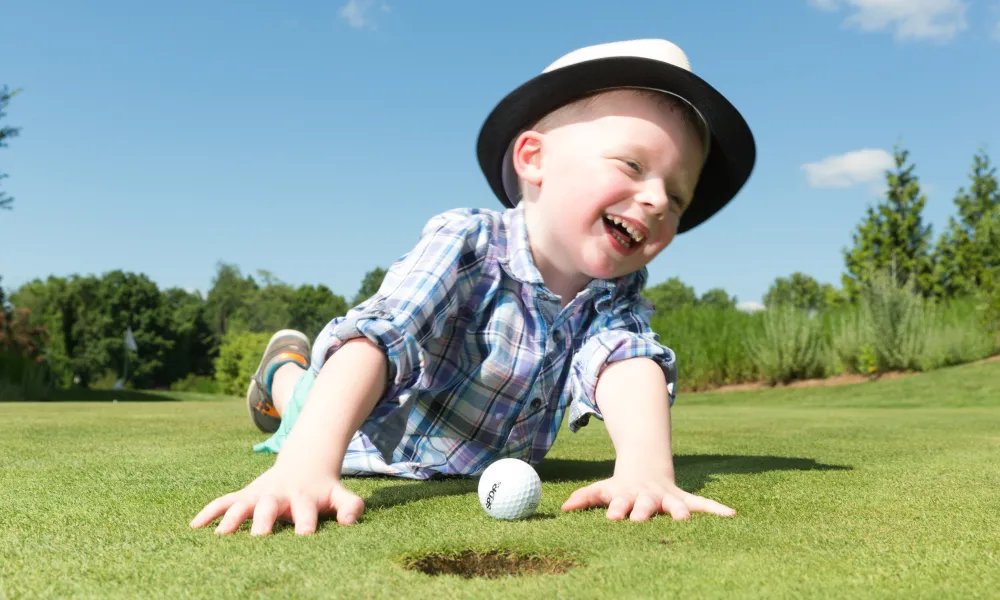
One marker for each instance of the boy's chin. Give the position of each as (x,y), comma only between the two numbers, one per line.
(610,270)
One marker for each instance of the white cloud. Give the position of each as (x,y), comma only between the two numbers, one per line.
(938,20)
(867,165)
(750,307)
(358,13)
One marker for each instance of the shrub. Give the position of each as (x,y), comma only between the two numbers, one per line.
(893,328)
(900,321)
(850,335)
(955,336)
(709,344)
(239,355)
(791,346)
(24,373)
(198,384)
(24,379)
(989,306)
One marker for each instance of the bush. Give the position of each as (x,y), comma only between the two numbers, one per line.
(955,337)
(889,328)
(893,328)
(850,334)
(989,306)
(198,384)
(239,355)
(792,345)
(24,379)
(709,343)
(901,324)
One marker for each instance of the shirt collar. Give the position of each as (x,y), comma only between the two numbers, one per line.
(517,259)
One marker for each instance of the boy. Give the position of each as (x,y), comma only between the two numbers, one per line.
(482,336)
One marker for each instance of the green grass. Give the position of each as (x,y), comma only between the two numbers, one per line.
(885,489)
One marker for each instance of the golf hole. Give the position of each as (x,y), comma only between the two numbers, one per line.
(490,565)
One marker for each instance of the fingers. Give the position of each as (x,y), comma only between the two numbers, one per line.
(213,510)
(676,507)
(699,504)
(240,511)
(304,514)
(264,516)
(645,506)
(619,507)
(592,496)
(347,505)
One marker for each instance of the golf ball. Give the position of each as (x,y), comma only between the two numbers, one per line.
(509,489)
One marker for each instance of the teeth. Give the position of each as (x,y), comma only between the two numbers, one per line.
(632,231)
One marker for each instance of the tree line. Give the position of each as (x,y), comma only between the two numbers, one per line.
(178,332)
(76,324)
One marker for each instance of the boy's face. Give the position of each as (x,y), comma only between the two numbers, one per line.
(629,157)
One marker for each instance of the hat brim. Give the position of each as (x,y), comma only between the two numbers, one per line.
(731,156)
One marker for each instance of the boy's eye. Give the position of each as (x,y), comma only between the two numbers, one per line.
(633,165)
(676,203)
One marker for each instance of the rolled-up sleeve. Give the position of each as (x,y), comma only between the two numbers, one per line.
(418,295)
(619,334)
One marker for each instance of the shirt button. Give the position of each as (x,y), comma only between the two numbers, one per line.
(536,403)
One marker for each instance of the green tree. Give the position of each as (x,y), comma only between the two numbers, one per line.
(893,238)
(671,294)
(44,301)
(832,297)
(191,336)
(369,285)
(6,133)
(717,297)
(133,300)
(229,296)
(961,256)
(87,317)
(85,322)
(313,306)
(265,309)
(801,291)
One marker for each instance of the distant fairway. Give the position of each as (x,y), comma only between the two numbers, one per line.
(882,489)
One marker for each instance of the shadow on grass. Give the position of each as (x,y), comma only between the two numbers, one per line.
(82,395)
(693,471)
(396,495)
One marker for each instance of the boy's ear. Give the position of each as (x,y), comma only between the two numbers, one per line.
(528,157)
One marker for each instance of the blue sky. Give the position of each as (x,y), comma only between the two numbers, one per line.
(313,139)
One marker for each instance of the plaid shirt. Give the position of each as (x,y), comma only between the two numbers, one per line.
(483,360)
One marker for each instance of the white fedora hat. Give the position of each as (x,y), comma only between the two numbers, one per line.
(648,63)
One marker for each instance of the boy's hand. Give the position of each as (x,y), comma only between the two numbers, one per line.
(641,497)
(284,495)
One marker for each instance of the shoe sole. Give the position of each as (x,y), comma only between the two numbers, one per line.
(253,390)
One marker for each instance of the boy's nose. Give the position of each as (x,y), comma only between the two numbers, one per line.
(654,198)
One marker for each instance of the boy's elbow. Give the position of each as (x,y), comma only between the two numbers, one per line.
(361,357)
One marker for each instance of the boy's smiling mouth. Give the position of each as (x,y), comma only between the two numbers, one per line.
(627,235)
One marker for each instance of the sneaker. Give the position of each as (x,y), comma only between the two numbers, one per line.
(285,346)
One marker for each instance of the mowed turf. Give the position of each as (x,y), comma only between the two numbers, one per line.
(886,489)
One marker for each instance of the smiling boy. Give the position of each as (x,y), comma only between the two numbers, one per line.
(497,323)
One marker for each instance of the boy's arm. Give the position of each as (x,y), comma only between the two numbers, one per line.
(344,393)
(632,397)
(623,376)
(378,349)
(304,482)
